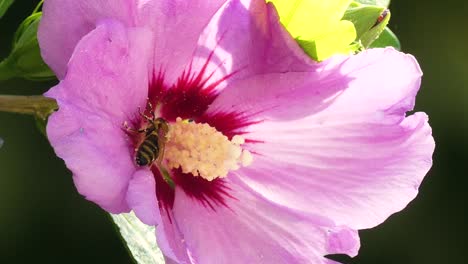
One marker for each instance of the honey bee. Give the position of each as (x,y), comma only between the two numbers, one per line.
(151,149)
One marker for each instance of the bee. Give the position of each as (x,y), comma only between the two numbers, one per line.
(151,149)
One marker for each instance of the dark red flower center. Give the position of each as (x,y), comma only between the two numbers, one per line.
(189,98)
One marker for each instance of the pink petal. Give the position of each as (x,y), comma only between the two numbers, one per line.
(288,95)
(382,81)
(357,174)
(143,200)
(141,197)
(252,230)
(245,38)
(177,24)
(65,22)
(107,80)
(357,161)
(343,240)
(108,73)
(95,151)
(170,240)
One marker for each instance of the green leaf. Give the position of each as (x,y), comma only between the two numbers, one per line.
(25,59)
(363,17)
(7,70)
(1,142)
(384,3)
(140,239)
(317,25)
(387,39)
(369,21)
(374,32)
(4,5)
(29,60)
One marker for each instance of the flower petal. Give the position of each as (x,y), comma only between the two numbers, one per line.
(245,38)
(170,239)
(141,197)
(95,151)
(357,161)
(290,95)
(108,72)
(357,174)
(65,22)
(276,96)
(145,198)
(177,24)
(107,78)
(343,240)
(383,81)
(251,230)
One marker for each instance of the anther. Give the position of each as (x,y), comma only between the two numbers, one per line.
(203,151)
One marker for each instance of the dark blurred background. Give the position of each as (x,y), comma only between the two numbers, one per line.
(44,220)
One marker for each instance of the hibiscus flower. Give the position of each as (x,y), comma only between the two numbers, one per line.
(258,154)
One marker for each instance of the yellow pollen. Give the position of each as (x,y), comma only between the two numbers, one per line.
(203,151)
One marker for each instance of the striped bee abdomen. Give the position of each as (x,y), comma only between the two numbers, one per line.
(148,151)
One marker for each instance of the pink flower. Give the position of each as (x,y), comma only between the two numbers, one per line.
(328,147)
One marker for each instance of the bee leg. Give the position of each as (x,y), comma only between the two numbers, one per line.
(127,127)
(162,133)
(130,129)
(145,116)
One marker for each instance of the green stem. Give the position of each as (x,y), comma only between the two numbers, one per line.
(37,105)
(7,71)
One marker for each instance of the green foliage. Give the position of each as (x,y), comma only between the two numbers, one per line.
(25,59)
(370,22)
(4,5)
(386,39)
(374,32)
(363,18)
